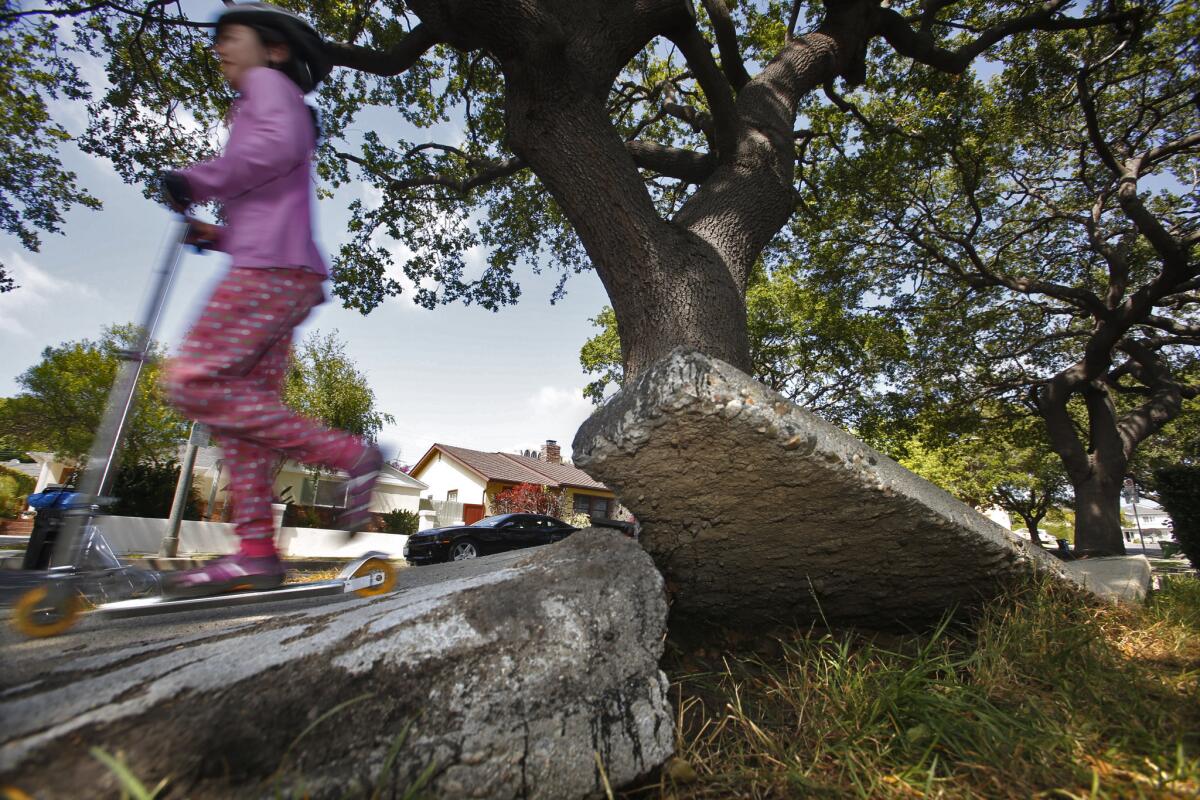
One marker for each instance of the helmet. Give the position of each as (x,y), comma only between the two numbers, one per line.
(308,65)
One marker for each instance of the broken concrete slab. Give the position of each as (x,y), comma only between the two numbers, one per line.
(1116,578)
(506,683)
(757,511)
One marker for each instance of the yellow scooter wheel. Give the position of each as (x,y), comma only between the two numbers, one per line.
(38,615)
(376,565)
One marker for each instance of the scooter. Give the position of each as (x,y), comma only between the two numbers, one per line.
(85,574)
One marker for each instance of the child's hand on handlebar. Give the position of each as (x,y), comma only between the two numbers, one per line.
(201,235)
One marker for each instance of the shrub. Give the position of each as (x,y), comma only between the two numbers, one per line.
(14,488)
(302,516)
(1179,492)
(578,520)
(401,521)
(528,498)
(147,490)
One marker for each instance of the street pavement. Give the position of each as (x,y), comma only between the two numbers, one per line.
(92,639)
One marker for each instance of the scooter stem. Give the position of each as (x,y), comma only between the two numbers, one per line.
(100,468)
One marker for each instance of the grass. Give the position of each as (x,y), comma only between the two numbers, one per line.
(1044,694)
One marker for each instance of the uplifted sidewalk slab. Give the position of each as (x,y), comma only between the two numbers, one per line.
(1116,578)
(504,682)
(757,511)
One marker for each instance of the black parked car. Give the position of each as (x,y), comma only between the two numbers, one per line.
(489,535)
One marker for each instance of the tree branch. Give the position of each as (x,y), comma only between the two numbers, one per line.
(727,43)
(145,14)
(716,87)
(385,63)
(1157,154)
(674,162)
(1172,326)
(489,174)
(922,47)
(698,120)
(1093,125)
(1166,399)
(792,18)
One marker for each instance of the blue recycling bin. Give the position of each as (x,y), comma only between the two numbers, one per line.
(50,505)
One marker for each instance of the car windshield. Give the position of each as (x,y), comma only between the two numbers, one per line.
(490,522)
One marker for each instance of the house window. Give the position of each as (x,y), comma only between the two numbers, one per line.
(591,505)
(452,496)
(329,492)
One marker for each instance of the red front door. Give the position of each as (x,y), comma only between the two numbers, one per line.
(472,512)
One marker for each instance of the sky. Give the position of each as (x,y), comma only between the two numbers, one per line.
(457,375)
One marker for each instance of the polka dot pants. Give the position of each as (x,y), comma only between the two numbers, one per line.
(229,374)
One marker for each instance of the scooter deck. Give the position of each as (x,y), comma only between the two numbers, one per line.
(150,606)
(344,583)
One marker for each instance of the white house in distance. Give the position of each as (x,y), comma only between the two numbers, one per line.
(1155,522)
(394,489)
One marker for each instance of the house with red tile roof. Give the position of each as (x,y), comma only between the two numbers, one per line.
(473,477)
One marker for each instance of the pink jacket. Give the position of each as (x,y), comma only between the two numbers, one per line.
(264,177)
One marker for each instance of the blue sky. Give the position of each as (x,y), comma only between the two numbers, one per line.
(463,376)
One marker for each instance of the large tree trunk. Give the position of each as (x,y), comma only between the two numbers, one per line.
(1098,515)
(668,287)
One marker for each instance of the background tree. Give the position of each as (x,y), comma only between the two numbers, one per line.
(1179,490)
(14,488)
(995,457)
(63,396)
(323,383)
(147,489)
(1034,235)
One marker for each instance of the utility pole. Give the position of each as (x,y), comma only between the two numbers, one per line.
(197,439)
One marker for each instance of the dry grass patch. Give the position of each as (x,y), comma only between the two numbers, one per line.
(1043,694)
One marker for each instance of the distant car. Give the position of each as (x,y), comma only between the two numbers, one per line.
(489,535)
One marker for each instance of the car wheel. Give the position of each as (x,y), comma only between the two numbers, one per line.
(461,551)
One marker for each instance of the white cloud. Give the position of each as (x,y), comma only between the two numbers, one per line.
(22,311)
(556,413)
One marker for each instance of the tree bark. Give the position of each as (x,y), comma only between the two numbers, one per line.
(1098,515)
(1031,524)
(668,287)
(1096,471)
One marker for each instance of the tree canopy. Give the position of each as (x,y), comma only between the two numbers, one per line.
(323,383)
(1033,234)
(667,144)
(62,399)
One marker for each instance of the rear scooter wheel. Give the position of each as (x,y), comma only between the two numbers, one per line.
(376,565)
(38,614)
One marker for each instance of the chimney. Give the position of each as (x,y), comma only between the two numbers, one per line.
(550,452)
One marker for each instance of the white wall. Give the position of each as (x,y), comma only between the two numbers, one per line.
(443,475)
(393,498)
(143,535)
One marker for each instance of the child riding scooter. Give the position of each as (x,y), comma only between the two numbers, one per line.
(230,368)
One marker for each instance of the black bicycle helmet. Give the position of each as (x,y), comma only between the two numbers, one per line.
(308,65)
